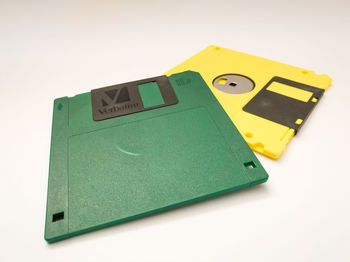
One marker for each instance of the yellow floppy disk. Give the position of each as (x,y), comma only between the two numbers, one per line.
(267,101)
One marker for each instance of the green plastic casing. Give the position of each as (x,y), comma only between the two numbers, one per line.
(111,171)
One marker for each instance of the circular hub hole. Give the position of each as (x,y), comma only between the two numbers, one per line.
(233,84)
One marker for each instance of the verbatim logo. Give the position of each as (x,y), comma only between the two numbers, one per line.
(116,108)
(114,96)
(111,98)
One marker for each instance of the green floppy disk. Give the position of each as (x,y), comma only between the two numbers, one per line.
(134,149)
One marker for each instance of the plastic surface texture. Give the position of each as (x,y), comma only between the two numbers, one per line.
(261,131)
(115,170)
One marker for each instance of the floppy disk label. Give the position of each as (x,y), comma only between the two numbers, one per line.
(132,97)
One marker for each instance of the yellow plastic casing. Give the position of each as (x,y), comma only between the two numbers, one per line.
(262,135)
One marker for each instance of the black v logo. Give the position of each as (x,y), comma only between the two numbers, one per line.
(115,96)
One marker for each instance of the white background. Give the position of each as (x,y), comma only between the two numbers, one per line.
(50,49)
